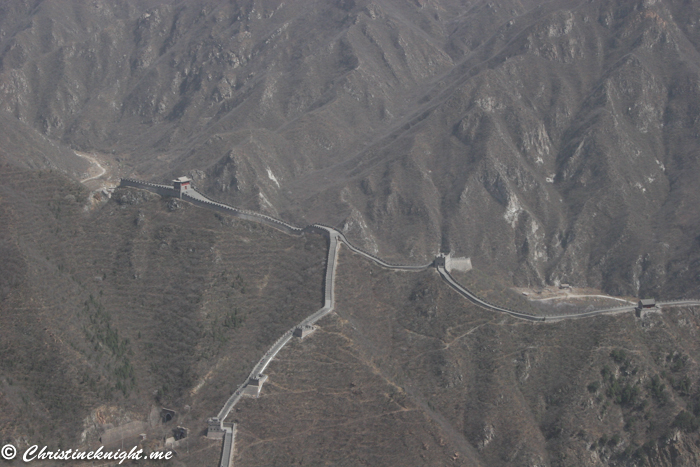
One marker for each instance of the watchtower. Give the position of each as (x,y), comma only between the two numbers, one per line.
(182,185)
(645,305)
(303,331)
(215,430)
(440,261)
(254,385)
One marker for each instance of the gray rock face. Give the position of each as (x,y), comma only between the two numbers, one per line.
(554,142)
(131,197)
(173,205)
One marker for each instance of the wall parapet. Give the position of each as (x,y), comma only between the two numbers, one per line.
(162,190)
(243,214)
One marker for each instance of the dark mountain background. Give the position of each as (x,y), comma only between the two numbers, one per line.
(550,141)
(555,140)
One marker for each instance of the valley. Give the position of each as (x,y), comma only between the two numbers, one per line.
(345,156)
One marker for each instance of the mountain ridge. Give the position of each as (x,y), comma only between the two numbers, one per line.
(448,105)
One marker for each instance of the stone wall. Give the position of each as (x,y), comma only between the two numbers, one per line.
(162,190)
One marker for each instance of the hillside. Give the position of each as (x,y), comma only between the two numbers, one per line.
(549,141)
(555,139)
(142,303)
(407,373)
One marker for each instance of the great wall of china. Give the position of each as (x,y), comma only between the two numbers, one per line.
(217,428)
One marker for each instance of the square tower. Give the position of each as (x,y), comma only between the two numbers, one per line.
(182,185)
(215,429)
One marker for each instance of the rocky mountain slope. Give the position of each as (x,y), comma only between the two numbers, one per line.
(555,139)
(550,141)
(461,386)
(108,314)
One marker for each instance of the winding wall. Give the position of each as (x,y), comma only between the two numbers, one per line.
(335,237)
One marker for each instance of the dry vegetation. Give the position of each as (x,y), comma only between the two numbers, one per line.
(549,141)
(147,302)
(554,141)
(405,352)
(142,302)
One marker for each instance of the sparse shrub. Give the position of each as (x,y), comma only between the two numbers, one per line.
(678,362)
(622,394)
(643,405)
(593,387)
(686,421)
(555,432)
(606,373)
(651,426)
(682,385)
(614,440)
(103,336)
(658,390)
(233,319)
(619,356)
(627,453)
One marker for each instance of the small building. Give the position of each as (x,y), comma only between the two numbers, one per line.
(303,331)
(254,386)
(451,263)
(645,305)
(258,380)
(454,263)
(439,261)
(215,430)
(182,185)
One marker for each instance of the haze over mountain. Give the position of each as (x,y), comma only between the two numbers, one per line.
(549,141)
(556,140)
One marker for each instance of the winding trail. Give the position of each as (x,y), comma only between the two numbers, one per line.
(256,378)
(94,161)
(566,297)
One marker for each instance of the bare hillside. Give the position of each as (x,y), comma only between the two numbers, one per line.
(550,142)
(556,139)
(143,303)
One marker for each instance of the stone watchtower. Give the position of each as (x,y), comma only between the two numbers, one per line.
(182,185)
(644,306)
(254,386)
(303,331)
(215,429)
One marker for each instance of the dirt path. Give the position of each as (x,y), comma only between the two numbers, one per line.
(93,160)
(564,297)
